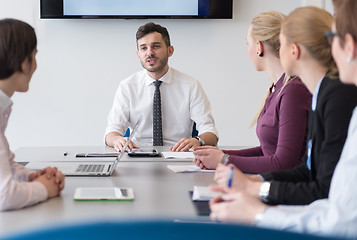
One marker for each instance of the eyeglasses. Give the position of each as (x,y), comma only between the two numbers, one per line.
(329,37)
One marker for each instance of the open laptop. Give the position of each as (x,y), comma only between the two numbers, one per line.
(85,168)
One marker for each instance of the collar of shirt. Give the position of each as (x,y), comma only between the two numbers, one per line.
(279,84)
(315,95)
(5,102)
(167,78)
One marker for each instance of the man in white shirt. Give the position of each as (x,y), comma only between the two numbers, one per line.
(183,100)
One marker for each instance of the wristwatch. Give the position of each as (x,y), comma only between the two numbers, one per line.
(200,140)
(225,159)
(264,191)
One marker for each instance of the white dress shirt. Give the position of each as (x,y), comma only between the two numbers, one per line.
(183,101)
(336,215)
(15,190)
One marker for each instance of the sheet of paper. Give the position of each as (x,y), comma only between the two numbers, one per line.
(178,155)
(202,193)
(187,168)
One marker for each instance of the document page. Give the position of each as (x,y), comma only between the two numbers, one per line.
(203,193)
(178,155)
(187,169)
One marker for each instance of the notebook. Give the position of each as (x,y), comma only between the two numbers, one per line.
(200,199)
(85,168)
(203,193)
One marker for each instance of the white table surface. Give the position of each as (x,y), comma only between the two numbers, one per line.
(159,192)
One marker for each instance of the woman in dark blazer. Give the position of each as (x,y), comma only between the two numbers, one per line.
(327,130)
(337,215)
(304,53)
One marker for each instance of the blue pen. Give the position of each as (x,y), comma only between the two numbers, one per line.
(230,177)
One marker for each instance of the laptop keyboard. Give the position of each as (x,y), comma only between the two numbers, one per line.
(90,168)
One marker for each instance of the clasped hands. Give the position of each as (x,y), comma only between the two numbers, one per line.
(51,178)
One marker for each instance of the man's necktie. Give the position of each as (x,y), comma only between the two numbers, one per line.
(157,120)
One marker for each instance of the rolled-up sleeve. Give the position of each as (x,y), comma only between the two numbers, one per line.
(118,118)
(200,110)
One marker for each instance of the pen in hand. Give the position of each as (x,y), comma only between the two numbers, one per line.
(230,177)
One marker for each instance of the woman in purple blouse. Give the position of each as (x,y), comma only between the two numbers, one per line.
(282,122)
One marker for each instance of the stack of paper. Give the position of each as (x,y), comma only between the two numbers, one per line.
(178,155)
(202,193)
(187,168)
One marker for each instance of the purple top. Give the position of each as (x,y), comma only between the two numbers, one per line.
(281,129)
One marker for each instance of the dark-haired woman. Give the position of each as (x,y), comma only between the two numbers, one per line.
(19,186)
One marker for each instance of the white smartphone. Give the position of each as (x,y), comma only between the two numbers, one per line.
(103,193)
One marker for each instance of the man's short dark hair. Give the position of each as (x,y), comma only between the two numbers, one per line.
(152,27)
(17,42)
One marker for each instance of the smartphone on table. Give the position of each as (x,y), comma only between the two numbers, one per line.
(135,152)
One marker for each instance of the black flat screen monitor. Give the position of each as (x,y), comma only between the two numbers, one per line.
(137,9)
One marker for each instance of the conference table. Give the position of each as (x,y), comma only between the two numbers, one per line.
(159,192)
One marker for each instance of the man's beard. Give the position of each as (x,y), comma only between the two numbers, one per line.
(161,65)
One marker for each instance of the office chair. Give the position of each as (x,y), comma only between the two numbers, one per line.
(159,230)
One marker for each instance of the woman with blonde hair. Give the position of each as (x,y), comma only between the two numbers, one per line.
(282,120)
(336,215)
(304,52)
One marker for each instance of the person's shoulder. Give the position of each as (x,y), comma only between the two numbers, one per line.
(296,86)
(134,78)
(295,82)
(332,84)
(183,77)
(332,89)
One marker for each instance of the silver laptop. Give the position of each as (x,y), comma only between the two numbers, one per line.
(85,168)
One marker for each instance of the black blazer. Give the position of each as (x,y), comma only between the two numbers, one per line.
(327,127)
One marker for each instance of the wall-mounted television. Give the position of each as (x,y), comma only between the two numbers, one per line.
(137,9)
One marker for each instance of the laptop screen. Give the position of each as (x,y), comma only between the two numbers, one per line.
(130,137)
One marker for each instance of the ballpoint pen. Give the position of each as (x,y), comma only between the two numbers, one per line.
(230,177)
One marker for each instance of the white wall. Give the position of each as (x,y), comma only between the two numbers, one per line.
(80,63)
